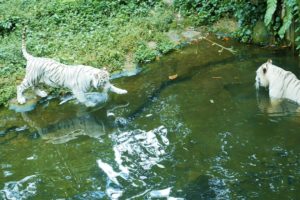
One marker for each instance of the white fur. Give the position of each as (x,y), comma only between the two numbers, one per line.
(282,84)
(78,78)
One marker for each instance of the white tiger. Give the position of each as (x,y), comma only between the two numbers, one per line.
(78,78)
(282,84)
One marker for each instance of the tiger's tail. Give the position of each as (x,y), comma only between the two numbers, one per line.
(24,51)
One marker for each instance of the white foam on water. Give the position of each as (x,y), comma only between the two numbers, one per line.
(112,175)
(175,198)
(114,193)
(144,149)
(20,190)
(160,193)
(33,157)
(134,152)
(7,173)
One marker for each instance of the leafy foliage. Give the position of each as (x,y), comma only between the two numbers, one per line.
(207,11)
(8,24)
(280,15)
(90,32)
(247,13)
(287,20)
(271,8)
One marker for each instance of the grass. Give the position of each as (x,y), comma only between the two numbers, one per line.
(89,32)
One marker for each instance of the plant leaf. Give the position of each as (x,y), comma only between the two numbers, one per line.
(287,20)
(271,8)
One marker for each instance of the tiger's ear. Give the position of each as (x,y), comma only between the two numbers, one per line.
(264,70)
(265,67)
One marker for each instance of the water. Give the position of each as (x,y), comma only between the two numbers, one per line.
(206,134)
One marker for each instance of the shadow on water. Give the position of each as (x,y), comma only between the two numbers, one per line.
(204,135)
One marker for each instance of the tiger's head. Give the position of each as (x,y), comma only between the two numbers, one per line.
(262,79)
(100,78)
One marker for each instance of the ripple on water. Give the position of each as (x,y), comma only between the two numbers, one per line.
(19,190)
(135,153)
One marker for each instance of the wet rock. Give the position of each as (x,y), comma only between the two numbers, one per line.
(29,105)
(130,68)
(191,35)
(174,36)
(260,33)
(120,122)
(94,97)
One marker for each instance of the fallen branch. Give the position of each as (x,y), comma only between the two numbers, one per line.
(231,50)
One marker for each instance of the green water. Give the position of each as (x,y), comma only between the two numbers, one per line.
(205,135)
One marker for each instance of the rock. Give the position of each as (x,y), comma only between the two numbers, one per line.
(191,35)
(260,33)
(29,105)
(174,36)
(97,98)
(130,68)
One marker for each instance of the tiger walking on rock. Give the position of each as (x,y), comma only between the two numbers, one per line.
(78,78)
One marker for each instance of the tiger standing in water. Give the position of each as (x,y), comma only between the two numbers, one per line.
(78,78)
(281,84)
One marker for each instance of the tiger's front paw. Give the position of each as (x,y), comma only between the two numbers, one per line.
(121,91)
(90,104)
(41,93)
(21,100)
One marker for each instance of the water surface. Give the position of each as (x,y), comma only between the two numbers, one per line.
(206,134)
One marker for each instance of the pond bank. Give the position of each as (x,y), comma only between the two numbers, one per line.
(206,125)
(105,34)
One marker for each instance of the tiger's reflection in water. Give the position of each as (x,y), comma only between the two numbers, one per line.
(60,124)
(69,129)
(276,107)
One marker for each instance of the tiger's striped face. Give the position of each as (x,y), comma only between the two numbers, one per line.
(261,79)
(100,78)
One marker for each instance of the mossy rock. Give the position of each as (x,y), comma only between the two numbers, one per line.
(225,26)
(260,33)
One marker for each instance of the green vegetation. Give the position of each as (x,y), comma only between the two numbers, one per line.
(278,15)
(90,32)
(113,33)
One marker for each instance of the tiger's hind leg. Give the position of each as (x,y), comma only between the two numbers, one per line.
(20,89)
